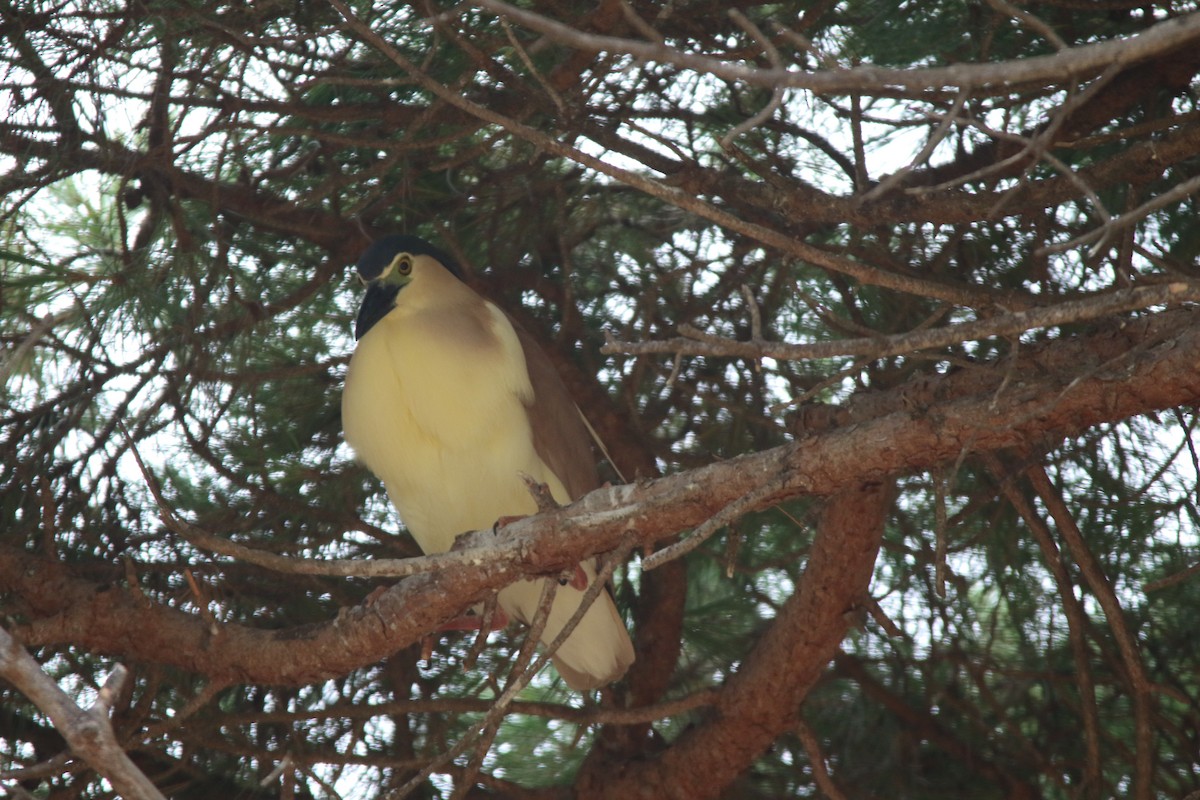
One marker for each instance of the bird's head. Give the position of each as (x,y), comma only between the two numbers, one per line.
(388,266)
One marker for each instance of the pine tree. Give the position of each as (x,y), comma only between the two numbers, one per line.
(885,313)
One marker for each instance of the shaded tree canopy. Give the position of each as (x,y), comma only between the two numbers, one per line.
(885,312)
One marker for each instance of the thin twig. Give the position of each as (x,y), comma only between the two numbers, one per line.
(336,567)
(750,123)
(540,493)
(1126,639)
(490,608)
(519,675)
(676,368)
(529,65)
(940,479)
(777,94)
(936,137)
(42,327)
(587,716)
(522,672)
(1032,148)
(1074,62)
(803,43)
(518,678)
(694,343)
(1112,224)
(1030,21)
(911,284)
(1077,622)
(881,618)
(1171,580)
(88,732)
(756,326)
(202,698)
(726,515)
(640,25)
(816,759)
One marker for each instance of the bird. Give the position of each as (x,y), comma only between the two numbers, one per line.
(449,403)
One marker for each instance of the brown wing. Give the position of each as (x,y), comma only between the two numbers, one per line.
(563,442)
(559,435)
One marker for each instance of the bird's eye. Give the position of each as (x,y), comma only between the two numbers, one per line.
(402,265)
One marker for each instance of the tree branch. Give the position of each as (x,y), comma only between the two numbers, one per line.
(1066,387)
(1140,687)
(762,699)
(1077,622)
(956,293)
(697,343)
(88,732)
(1076,62)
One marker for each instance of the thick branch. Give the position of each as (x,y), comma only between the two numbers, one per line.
(1058,390)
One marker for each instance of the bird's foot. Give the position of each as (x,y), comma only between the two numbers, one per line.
(465,622)
(579,581)
(474,622)
(502,521)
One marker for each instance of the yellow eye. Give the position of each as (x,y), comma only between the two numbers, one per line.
(402,265)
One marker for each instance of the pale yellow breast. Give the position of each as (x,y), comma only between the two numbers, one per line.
(435,406)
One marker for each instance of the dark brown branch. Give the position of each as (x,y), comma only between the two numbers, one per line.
(926,726)
(323,228)
(1171,580)
(816,759)
(461,705)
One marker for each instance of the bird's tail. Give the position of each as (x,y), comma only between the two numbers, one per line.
(597,652)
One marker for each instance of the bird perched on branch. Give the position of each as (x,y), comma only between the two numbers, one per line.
(449,403)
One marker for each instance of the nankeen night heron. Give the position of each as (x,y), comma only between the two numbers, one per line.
(449,403)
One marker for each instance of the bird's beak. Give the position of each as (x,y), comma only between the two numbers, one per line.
(378,301)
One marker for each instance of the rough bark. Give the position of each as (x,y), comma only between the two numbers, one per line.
(1037,396)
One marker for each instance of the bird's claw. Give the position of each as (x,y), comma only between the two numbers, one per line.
(473,622)
(578,581)
(507,520)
